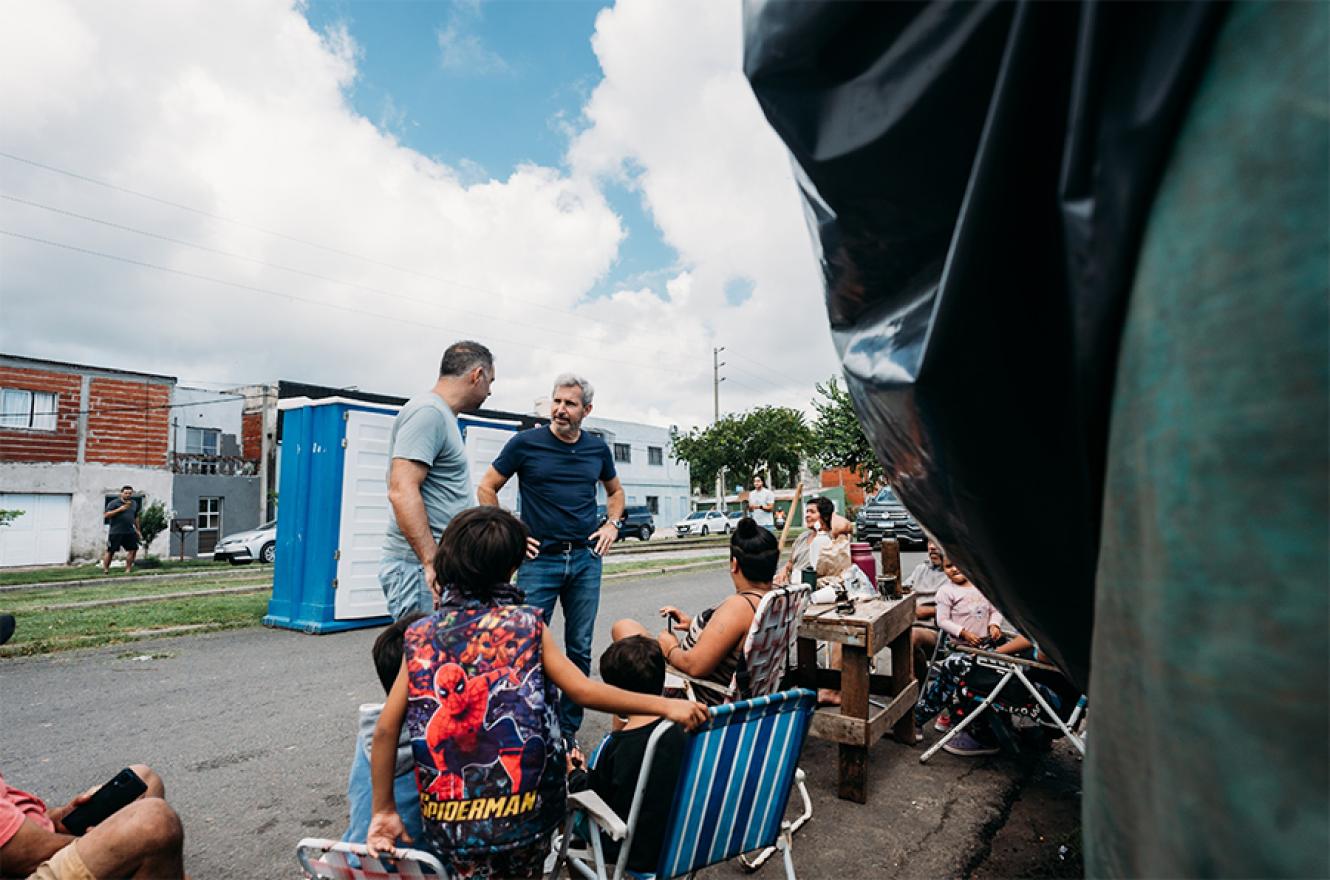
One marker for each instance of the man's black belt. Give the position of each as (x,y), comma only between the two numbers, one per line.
(550,548)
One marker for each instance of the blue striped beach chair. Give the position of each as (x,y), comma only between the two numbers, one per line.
(333,860)
(734,782)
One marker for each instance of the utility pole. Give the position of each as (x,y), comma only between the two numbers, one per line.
(716,379)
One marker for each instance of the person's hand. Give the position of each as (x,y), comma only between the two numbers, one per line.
(385,829)
(995,632)
(432,581)
(603,538)
(782,578)
(575,759)
(532,547)
(58,815)
(970,638)
(686,713)
(678,618)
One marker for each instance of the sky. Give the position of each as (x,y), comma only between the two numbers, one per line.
(333,191)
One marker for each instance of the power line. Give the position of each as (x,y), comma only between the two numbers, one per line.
(223,219)
(296,298)
(292,269)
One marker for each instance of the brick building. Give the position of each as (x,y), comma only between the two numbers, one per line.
(70,437)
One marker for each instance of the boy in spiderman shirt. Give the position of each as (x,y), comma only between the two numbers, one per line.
(478,693)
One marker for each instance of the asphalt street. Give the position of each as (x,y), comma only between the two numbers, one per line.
(252,731)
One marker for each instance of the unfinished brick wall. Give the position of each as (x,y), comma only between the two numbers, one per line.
(26,444)
(251,435)
(854,492)
(128,422)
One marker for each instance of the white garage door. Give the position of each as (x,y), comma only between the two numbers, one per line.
(38,537)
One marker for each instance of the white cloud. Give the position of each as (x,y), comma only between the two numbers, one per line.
(239,110)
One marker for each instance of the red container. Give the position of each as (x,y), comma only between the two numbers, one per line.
(862,555)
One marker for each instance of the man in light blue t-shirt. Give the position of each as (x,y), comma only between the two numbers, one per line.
(429,480)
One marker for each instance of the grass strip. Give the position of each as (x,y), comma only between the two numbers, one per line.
(67,573)
(26,600)
(42,632)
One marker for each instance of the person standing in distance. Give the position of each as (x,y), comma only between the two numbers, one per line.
(429,479)
(761,503)
(122,515)
(558,468)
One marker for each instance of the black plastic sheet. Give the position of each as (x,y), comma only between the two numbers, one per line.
(978,177)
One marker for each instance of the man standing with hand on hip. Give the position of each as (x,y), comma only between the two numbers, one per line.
(429,479)
(558,468)
(761,503)
(122,515)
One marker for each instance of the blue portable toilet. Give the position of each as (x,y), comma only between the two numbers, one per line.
(334,509)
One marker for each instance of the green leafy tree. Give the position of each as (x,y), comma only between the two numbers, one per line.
(773,438)
(840,439)
(6,516)
(152,522)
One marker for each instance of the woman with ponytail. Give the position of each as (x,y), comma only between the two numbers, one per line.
(712,642)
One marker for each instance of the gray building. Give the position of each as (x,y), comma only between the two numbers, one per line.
(217,481)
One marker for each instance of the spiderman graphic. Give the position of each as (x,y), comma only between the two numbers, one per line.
(456,734)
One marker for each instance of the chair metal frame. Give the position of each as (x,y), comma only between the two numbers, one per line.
(333,864)
(690,800)
(1012,667)
(767,680)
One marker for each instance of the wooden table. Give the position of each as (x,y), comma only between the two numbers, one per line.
(874,626)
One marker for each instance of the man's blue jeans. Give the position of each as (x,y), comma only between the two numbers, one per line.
(572,578)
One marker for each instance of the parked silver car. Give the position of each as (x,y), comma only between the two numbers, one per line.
(242,547)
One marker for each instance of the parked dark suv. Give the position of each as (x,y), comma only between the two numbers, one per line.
(637,522)
(884,515)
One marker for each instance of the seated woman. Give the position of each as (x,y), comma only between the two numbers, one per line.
(712,642)
(820,522)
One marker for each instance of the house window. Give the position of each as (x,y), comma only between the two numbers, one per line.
(210,514)
(27,409)
(202,441)
(653,504)
(623,452)
(655,455)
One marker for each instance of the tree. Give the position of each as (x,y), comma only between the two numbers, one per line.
(6,516)
(773,438)
(152,522)
(840,439)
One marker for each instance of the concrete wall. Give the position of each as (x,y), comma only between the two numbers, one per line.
(240,504)
(88,484)
(200,408)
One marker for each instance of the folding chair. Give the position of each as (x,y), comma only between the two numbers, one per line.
(1006,667)
(333,860)
(734,782)
(765,657)
(766,648)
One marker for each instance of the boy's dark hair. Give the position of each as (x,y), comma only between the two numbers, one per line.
(635,664)
(756,551)
(481,547)
(463,357)
(387,650)
(825,508)
(123,488)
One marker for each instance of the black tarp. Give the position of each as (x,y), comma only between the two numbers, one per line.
(978,177)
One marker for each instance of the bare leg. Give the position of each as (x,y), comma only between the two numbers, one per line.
(828,696)
(145,839)
(922,641)
(106,562)
(156,788)
(129,560)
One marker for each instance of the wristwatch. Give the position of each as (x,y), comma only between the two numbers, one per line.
(618,523)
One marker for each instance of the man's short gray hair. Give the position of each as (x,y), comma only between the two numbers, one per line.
(572,380)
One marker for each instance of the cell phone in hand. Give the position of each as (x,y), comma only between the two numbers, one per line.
(121,791)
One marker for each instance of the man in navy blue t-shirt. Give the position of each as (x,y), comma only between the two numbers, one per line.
(557,470)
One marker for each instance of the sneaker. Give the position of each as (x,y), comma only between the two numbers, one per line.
(943,723)
(968,747)
(918,735)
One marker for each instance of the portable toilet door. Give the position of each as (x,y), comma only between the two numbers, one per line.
(364,516)
(485,439)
